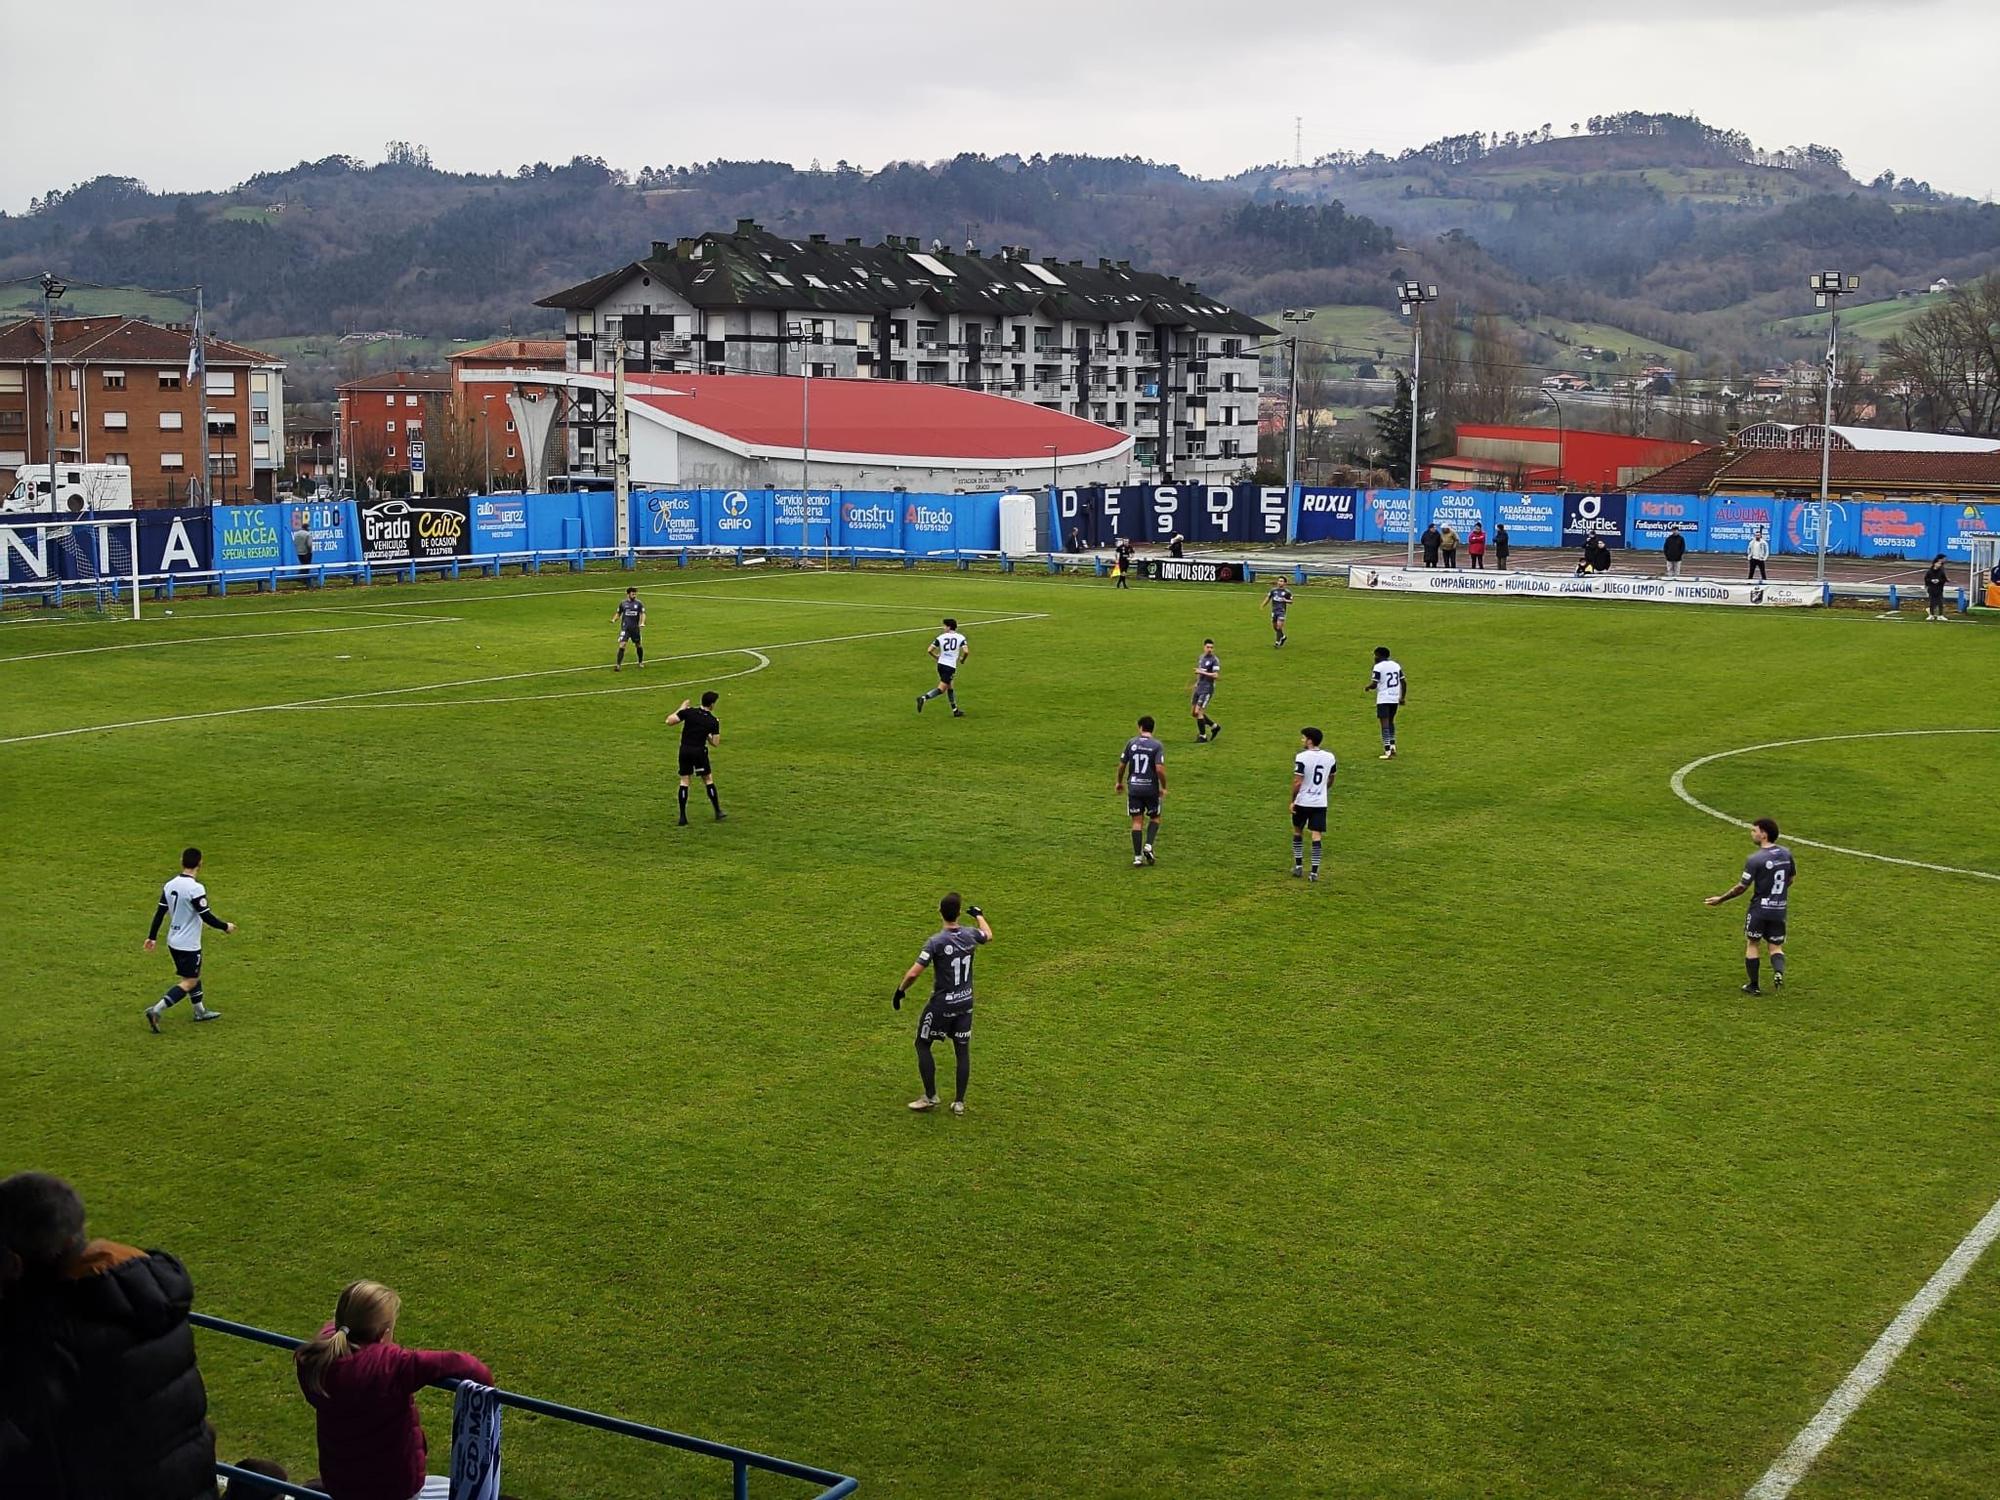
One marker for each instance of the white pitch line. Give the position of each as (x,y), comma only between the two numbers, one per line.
(1679,785)
(761,663)
(430,687)
(248,635)
(1847,1397)
(1779,1480)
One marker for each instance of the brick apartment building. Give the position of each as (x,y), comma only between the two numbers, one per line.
(493,433)
(378,415)
(123,397)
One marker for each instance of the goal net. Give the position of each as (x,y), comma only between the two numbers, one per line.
(86,566)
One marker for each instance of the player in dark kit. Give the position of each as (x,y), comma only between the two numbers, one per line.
(1142,777)
(948,955)
(1769,875)
(1207,671)
(1279,600)
(631,617)
(701,731)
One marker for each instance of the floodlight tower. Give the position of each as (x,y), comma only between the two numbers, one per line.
(1296,319)
(1828,287)
(1413,295)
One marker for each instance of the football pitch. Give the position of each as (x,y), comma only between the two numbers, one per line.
(1465,1172)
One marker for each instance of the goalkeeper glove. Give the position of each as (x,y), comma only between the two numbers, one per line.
(974,912)
(897,1003)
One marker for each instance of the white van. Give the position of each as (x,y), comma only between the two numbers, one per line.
(78,487)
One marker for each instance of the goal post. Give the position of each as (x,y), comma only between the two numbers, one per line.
(87,565)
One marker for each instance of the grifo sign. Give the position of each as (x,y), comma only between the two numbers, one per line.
(1591,586)
(395,531)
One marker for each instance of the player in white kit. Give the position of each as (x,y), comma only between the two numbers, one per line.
(184,908)
(1390,688)
(949,650)
(1312,786)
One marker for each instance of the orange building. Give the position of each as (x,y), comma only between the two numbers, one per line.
(379,416)
(485,403)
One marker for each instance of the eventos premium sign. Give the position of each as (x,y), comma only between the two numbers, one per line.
(1592,586)
(1188,570)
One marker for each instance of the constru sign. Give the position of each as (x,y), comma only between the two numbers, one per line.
(395,531)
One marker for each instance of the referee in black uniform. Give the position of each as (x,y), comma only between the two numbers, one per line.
(700,731)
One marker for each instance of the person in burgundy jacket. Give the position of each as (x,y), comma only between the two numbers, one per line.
(363,1385)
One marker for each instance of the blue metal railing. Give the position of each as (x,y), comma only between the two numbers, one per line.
(742,1460)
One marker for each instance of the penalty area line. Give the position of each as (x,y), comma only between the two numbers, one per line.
(1780,1479)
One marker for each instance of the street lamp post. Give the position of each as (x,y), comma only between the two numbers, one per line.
(486,430)
(1828,288)
(1295,318)
(1562,467)
(52,293)
(800,339)
(1413,295)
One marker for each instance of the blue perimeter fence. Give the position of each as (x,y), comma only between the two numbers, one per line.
(742,1460)
(264,545)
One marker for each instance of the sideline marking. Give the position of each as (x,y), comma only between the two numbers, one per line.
(344,698)
(1679,784)
(248,635)
(1847,1397)
(1779,1480)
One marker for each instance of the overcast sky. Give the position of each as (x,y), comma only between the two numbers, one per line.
(200,94)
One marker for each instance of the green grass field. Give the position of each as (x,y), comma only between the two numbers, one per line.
(1466,1172)
(1871,322)
(93,302)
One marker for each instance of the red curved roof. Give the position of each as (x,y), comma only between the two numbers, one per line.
(889,418)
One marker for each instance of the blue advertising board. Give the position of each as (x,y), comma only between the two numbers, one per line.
(1734,519)
(1957,518)
(1799,531)
(1650,519)
(871,521)
(1328,515)
(251,538)
(1385,515)
(170,541)
(1461,510)
(1587,516)
(802,519)
(666,518)
(1531,520)
(331,529)
(1893,528)
(499,523)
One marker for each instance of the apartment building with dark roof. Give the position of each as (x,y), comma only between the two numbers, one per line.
(1145,353)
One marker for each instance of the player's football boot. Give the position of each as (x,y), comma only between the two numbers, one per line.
(920,1105)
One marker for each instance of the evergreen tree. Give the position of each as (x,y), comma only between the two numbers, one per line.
(1391,447)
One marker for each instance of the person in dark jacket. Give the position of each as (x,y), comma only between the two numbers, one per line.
(1673,550)
(1502,543)
(1431,541)
(1936,576)
(99,1395)
(363,1385)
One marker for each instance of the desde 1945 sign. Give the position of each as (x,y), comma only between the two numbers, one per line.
(1186,570)
(394,531)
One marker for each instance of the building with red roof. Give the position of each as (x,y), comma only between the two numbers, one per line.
(757,431)
(1501,455)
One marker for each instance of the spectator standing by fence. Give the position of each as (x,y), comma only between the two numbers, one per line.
(1501,544)
(99,1394)
(1673,550)
(1448,540)
(1475,545)
(363,1387)
(1760,553)
(1430,540)
(1936,576)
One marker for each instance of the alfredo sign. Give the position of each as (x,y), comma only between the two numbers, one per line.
(1591,586)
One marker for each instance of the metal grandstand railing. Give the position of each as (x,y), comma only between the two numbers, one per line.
(743,1461)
